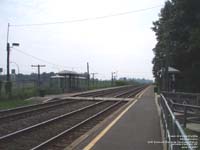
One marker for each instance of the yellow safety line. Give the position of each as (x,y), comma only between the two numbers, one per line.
(102,133)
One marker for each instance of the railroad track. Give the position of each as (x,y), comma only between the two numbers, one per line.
(63,139)
(126,93)
(103,93)
(131,92)
(28,112)
(19,121)
(123,92)
(55,124)
(8,112)
(33,136)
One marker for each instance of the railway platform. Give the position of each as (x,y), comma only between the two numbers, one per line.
(136,128)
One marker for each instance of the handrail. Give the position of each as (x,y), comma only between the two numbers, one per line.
(182,93)
(169,109)
(184,105)
(175,125)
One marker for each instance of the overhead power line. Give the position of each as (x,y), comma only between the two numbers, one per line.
(87,19)
(40,59)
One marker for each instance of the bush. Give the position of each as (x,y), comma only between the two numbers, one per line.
(121,83)
(8,87)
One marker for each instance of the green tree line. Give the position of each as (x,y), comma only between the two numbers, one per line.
(178,42)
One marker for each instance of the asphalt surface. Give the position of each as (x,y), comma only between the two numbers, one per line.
(136,129)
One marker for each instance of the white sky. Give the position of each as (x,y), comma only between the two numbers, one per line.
(123,43)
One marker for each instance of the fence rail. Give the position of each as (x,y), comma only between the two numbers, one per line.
(175,137)
(22,89)
(191,113)
(180,97)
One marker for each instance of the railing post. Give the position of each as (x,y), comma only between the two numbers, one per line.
(163,116)
(173,127)
(179,98)
(198,99)
(175,133)
(168,145)
(172,105)
(185,117)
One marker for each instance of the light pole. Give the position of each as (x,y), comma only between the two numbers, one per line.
(8,86)
(93,74)
(112,78)
(88,75)
(8,59)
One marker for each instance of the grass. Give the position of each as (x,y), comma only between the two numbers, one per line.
(27,91)
(7,104)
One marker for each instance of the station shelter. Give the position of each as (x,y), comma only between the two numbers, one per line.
(69,80)
(173,72)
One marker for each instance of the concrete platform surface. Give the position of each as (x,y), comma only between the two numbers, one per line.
(135,129)
(194,127)
(47,98)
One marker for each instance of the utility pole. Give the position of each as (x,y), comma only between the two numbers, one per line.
(8,63)
(8,86)
(88,76)
(112,78)
(38,66)
(8,55)
(93,74)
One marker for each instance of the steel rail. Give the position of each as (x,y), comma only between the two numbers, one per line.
(111,93)
(13,116)
(24,108)
(135,92)
(55,100)
(31,128)
(16,133)
(130,92)
(105,92)
(42,145)
(118,93)
(88,93)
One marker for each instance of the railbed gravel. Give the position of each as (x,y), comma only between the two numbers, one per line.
(7,112)
(9,127)
(31,112)
(65,140)
(33,138)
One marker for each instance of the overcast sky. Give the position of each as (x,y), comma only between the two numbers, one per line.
(121,43)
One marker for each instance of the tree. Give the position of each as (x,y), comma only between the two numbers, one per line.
(178,41)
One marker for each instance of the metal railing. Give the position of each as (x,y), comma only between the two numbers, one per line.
(190,113)
(180,97)
(175,137)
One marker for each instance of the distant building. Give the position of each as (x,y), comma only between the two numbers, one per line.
(69,80)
